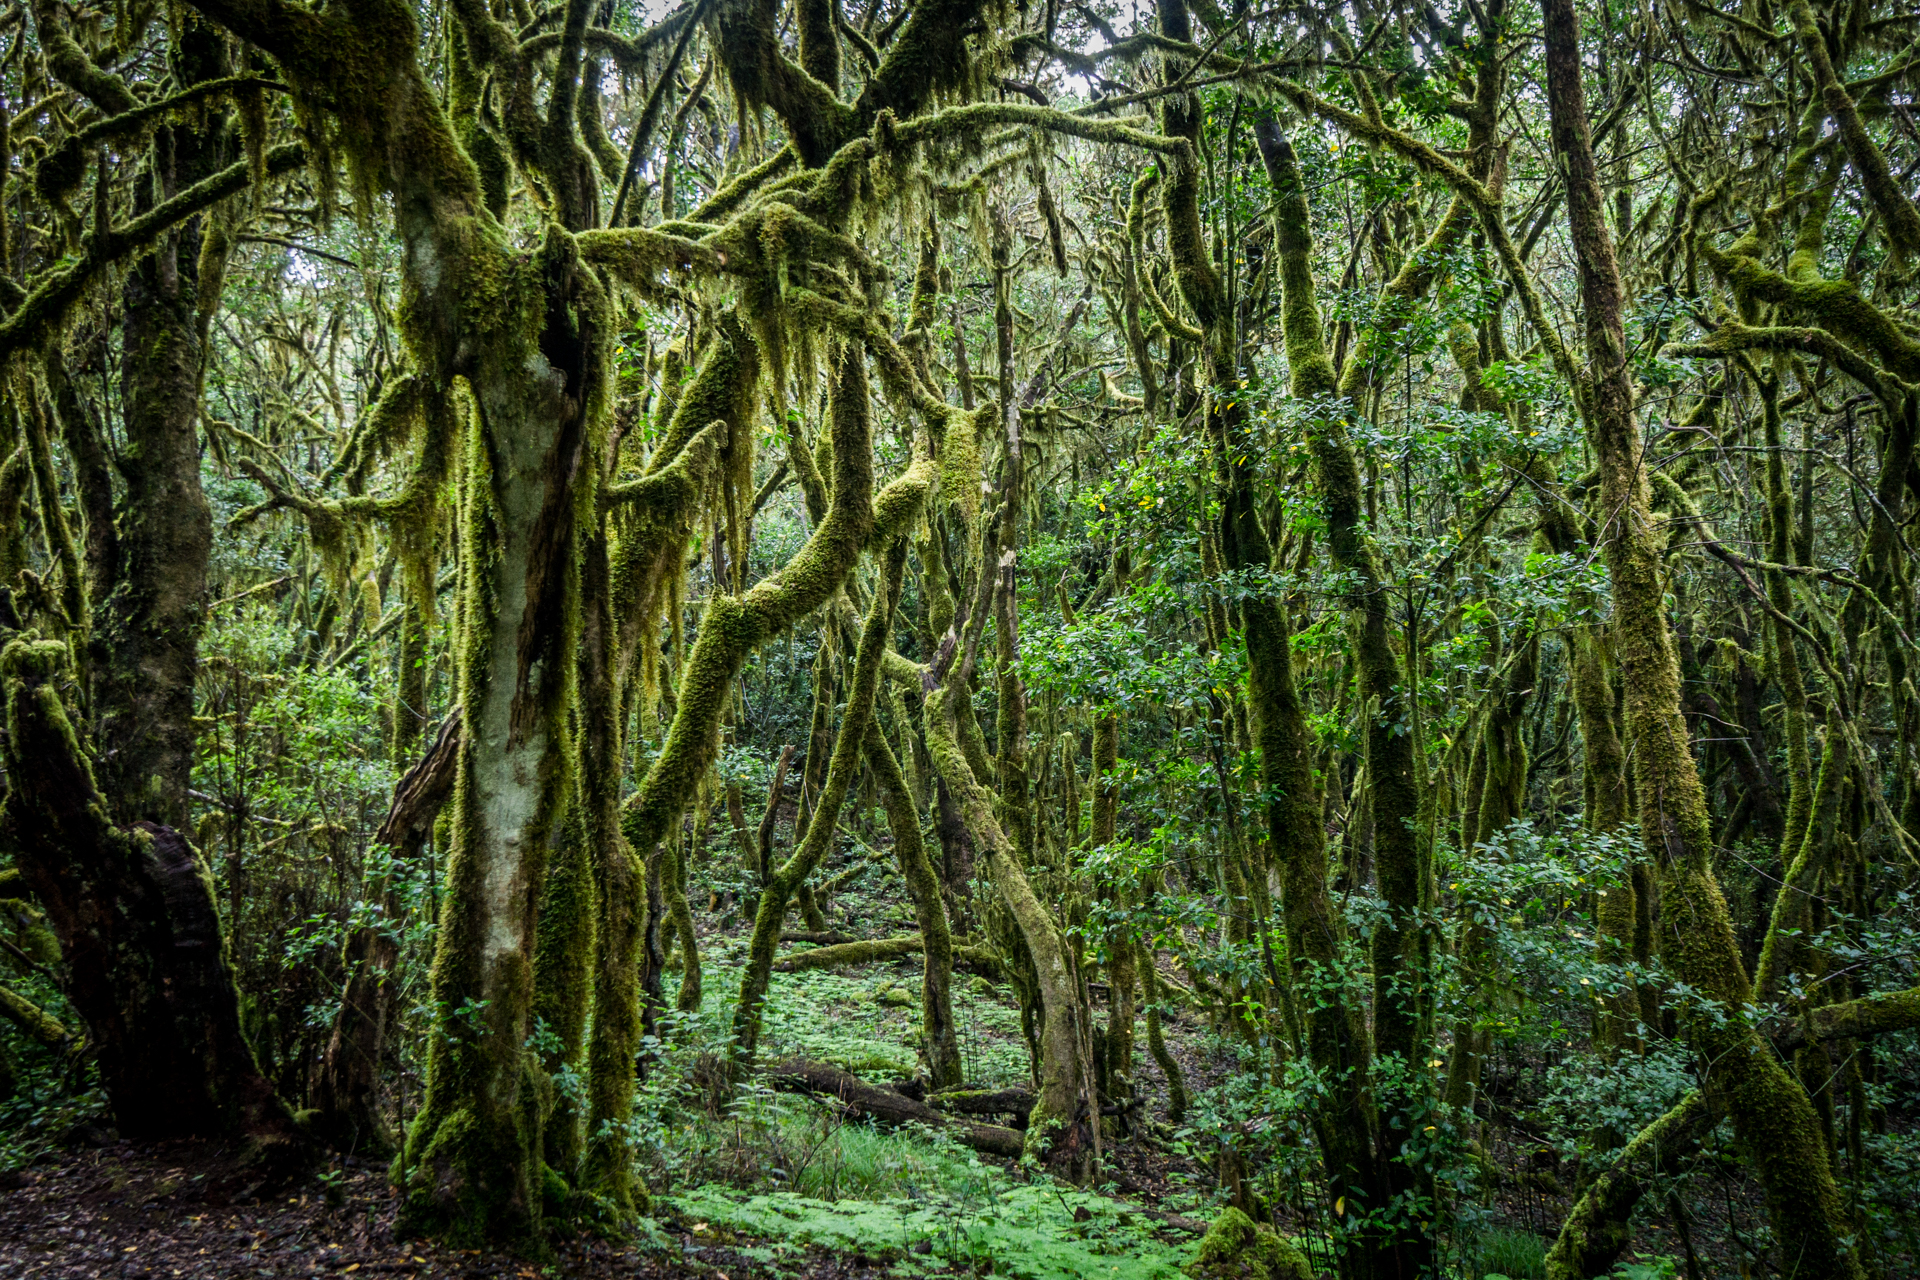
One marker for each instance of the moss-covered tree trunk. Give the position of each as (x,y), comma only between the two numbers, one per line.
(1349,1124)
(101,844)
(649,524)
(1771,1113)
(939,1040)
(472,1159)
(1063,1130)
(784,881)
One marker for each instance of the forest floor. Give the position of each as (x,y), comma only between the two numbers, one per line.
(189,1210)
(774,1185)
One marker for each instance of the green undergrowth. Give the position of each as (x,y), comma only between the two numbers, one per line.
(772,1174)
(846,1016)
(1511,1255)
(688,1131)
(1032,1231)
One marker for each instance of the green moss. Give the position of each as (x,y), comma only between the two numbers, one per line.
(960,477)
(1237,1248)
(563,953)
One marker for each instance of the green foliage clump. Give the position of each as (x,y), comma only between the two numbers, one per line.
(1031,1232)
(1516,1255)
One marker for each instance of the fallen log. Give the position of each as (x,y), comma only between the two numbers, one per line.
(986,1102)
(838,955)
(884,1106)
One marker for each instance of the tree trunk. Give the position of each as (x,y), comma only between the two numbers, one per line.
(347,1085)
(133,904)
(472,1156)
(1065,1130)
(1771,1113)
(134,911)
(938,1037)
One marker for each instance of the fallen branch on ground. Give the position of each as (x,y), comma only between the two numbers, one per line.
(870,1102)
(978,960)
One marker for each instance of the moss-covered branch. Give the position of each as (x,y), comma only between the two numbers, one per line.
(1874,1015)
(786,880)
(33,1020)
(1598,1228)
(1895,207)
(1733,337)
(50,297)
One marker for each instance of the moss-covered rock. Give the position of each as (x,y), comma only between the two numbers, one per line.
(1238,1248)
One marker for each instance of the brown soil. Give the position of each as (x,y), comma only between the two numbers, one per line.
(192,1210)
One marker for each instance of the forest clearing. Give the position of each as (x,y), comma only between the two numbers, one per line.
(830,638)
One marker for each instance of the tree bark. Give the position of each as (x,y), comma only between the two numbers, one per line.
(1771,1112)
(134,912)
(347,1084)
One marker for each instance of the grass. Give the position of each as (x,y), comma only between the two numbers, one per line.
(1516,1255)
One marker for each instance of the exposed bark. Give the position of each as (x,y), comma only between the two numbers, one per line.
(1015,1103)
